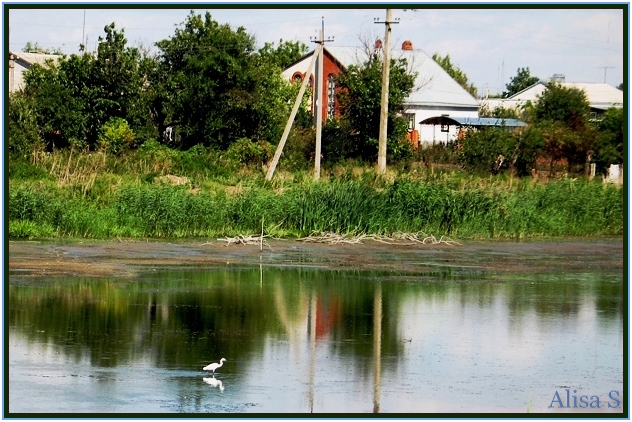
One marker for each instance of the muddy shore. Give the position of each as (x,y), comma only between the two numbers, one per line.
(128,258)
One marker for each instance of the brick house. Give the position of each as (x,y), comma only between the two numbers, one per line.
(435,93)
(331,68)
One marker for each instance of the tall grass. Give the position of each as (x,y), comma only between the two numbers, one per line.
(434,206)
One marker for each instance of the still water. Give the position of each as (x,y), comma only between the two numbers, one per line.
(301,339)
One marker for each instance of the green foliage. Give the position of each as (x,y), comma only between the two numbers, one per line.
(566,105)
(246,152)
(360,98)
(283,55)
(36,48)
(457,74)
(350,206)
(76,97)
(500,112)
(521,81)
(562,114)
(24,137)
(609,141)
(216,88)
(115,136)
(480,149)
(22,169)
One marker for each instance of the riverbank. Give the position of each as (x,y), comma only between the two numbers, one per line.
(129,258)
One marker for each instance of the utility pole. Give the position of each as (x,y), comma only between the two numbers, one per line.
(290,120)
(605,72)
(318,99)
(381,154)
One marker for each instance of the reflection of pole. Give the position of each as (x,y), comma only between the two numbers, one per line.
(377,346)
(312,349)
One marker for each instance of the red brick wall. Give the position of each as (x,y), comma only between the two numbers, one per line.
(329,67)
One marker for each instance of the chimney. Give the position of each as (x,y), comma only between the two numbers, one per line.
(558,77)
(407,45)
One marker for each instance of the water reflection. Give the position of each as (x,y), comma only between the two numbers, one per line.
(328,341)
(214,382)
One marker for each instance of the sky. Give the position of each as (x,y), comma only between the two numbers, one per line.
(489,42)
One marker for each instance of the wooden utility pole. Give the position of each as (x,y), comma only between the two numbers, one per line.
(386,65)
(318,101)
(290,120)
(316,57)
(319,98)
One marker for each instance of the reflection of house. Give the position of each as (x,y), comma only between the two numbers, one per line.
(21,62)
(600,96)
(435,93)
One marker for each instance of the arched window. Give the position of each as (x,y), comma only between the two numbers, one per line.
(331,96)
(297,77)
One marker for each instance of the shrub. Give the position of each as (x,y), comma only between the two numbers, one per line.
(115,136)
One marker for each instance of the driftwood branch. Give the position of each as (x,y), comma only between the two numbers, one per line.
(393,239)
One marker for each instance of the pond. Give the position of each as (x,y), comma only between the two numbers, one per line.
(480,328)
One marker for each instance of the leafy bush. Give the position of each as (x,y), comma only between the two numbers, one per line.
(115,136)
(246,152)
(24,137)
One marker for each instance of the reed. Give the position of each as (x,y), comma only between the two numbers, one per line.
(457,205)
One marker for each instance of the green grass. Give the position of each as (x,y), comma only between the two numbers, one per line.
(462,210)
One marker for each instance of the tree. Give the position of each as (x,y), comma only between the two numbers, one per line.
(457,74)
(562,113)
(286,53)
(215,89)
(609,142)
(359,98)
(522,80)
(74,98)
(35,48)
(566,105)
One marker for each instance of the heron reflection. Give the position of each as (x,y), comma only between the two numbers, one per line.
(214,382)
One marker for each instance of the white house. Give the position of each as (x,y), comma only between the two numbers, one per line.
(435,93)
(20,63)
(600,96)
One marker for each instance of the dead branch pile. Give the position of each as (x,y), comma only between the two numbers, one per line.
(393,239)
(245,240)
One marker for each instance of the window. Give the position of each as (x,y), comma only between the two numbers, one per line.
(410,118)
(331,97)
(297,77)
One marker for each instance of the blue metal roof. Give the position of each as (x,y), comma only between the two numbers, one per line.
(472,121)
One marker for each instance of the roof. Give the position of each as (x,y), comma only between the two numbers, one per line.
(599,95)
(434,87)
(34,58)
(472,121)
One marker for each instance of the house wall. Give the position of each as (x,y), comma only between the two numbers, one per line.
(431,134)
(16,77)
(329,68)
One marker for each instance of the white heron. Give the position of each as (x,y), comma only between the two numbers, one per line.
(213,366)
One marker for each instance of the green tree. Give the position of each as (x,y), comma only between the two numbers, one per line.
(74,98)
(215,89)
(36,48)
(609,142)
(566,105)
(562,113)
(457,74)
(522,80)
(360,98)
(283,55)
